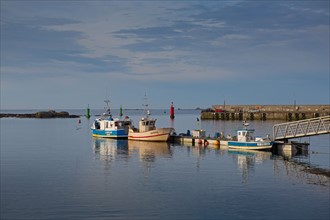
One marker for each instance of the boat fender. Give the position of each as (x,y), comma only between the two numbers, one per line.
(206,143)
(200,141)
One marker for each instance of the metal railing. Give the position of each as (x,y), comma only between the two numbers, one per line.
(302,128)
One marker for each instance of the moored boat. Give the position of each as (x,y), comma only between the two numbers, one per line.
(147,130)
(246,140)
(108,127)
(157,134)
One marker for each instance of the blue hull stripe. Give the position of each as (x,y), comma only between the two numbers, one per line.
(110,133)
(248,144)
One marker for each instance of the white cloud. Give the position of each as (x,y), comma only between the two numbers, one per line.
(228,38)
(210,23)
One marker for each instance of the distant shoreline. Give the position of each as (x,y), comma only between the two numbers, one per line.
(40,114)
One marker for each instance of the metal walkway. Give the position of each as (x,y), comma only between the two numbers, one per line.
(302,128)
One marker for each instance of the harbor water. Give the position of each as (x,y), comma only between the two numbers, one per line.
(54,169)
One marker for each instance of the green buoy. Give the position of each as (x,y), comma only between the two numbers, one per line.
(88,114)
(121,111)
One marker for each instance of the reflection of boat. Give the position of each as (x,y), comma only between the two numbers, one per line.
(242,152)
(110,147)
(108,127)
(246,140)
(149,152)
(259,155)
(248,159)
(147,149)
(147,130)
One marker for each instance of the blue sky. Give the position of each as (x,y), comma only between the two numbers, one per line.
(67,54)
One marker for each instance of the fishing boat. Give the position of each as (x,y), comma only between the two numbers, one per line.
(147,130)
(245,140)
(108,127)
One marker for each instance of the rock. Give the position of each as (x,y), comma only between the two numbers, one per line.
(63,114)
(54,114)
(42,114)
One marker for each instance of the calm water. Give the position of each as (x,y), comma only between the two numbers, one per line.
(54,169)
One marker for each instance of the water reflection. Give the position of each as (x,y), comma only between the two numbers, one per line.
(247,160)
(299,170)
(293,166)
(148,151)
(110,149)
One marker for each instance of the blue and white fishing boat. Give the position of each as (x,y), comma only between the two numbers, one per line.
(108,127)
(245,140)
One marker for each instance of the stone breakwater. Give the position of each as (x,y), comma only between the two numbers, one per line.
(42,114)
(264,112)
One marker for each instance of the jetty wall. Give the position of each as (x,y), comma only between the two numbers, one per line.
(264,112)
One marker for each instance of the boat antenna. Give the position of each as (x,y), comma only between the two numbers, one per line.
(107,107)
(146,110)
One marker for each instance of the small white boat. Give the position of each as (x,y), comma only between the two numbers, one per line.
(108,127)
(246,140)
(147,130)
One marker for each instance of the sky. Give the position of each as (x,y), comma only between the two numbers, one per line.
(70,54)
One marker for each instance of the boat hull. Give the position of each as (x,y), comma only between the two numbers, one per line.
(122,133)
(250,145)
(160,134)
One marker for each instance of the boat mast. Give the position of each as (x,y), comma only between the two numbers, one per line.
(146,110)
(107,107)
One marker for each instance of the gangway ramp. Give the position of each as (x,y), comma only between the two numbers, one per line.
(302,128)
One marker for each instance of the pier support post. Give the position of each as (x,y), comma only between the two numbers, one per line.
(289,149)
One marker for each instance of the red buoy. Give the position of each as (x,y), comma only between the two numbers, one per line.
(172,111)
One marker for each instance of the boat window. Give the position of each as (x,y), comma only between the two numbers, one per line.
(147,122)
(239,133)
(97,125)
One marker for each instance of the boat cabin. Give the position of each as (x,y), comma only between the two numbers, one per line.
(146,124)
(110,123)
(245,135)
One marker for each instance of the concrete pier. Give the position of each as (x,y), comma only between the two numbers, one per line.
(194,141)
(290,149)
(264,112)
